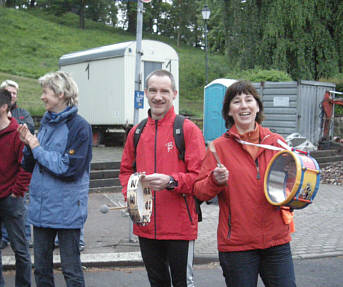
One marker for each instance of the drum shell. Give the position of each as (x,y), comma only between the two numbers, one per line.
(302,190)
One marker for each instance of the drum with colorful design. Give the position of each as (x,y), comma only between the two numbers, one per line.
(291,179)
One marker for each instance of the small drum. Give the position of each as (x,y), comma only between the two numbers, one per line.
(291,179)
(139,200)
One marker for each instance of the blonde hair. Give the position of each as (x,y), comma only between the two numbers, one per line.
(61,82)
(9,83)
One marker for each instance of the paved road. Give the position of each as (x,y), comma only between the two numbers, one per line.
(323,272)
(319,228)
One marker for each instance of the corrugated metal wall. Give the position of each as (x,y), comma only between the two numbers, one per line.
(310,97)
(291,107)
(280,106)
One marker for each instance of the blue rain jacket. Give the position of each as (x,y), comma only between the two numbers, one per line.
(60,169)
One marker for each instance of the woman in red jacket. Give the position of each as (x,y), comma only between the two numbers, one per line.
(253,236)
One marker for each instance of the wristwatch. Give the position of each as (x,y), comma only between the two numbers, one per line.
(172,183)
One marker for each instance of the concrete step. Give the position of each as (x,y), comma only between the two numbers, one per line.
(106,189)
(324,153)
(329,159)
(104,175)
(104,182)
(105,165)
(325,157)
(107,173)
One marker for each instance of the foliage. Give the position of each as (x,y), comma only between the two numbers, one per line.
(259,38)
(305,39)
(260,75)
(302,38)
(44,38)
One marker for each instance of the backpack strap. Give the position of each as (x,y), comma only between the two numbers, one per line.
(179,136)
(180,145)
(136,137)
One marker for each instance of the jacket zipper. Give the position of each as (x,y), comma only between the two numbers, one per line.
(155,170)
(257,169)
(188,211)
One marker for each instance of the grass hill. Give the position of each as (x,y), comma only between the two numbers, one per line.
(32,41)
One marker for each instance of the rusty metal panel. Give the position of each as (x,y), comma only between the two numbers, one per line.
(311,95)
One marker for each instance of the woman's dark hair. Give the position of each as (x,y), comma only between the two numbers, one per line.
(238,88)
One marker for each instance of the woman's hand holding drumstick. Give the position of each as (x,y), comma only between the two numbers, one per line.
(220,173)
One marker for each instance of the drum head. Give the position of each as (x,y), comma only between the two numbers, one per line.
(282,177)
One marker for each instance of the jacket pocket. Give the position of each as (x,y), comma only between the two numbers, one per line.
(229,226)
(188,210)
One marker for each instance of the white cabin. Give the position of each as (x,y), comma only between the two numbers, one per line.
(106,79)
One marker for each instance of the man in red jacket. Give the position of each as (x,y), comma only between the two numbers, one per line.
(23,117)
(167,242)
(14,183)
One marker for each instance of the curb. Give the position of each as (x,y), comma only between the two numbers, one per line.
(135,259)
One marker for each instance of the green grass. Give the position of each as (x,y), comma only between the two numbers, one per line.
(32,41)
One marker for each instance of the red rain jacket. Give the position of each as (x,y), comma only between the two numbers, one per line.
(174,214)
(13,178)
(246,220)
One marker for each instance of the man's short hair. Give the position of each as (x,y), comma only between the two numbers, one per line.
(9,83)
(161,73)
(61,82)
(5,98)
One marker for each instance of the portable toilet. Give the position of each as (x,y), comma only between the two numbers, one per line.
(214,92)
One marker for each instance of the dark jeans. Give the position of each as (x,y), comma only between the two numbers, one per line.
(275,266)
(69,240)
(27,225)
(12,214)
(168,258)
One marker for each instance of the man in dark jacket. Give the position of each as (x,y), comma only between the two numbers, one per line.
(23,117)
(14,183)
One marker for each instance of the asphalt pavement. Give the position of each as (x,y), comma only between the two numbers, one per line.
(319,228)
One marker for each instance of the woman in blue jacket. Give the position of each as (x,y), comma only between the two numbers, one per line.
(59,158)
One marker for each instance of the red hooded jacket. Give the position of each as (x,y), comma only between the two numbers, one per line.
(174,214)
(246,220)
(13,178)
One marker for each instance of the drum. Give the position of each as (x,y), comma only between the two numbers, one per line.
(291,179)
(139,200)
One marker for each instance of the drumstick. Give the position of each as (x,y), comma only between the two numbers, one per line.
(213,151)
(105,208)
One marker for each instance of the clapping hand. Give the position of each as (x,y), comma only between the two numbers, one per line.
(26,136)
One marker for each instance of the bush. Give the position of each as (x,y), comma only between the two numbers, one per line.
(259,75)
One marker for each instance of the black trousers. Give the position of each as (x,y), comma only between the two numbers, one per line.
(168,261)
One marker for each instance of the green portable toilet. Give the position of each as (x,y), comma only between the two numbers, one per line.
(214,92)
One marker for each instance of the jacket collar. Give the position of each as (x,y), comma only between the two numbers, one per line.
(265,135)
(170,115)
(14,106)
(53,118)
(12,127)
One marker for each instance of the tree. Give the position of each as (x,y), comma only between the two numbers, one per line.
(82,14)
